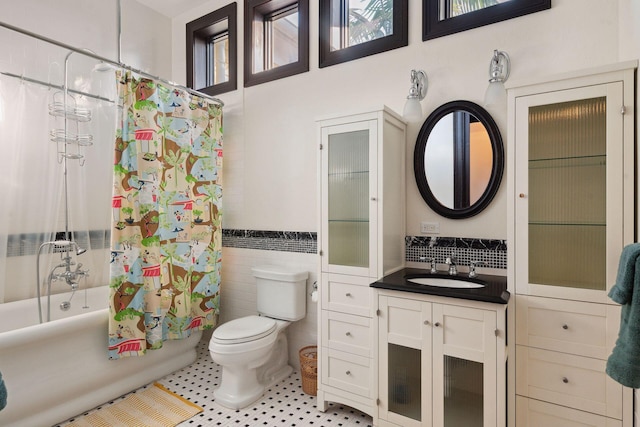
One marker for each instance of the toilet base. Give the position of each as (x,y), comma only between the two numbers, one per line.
(241,385)
(239,389)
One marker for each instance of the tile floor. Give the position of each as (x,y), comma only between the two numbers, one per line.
(284,404)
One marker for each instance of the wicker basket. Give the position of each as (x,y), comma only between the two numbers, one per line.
(309,369)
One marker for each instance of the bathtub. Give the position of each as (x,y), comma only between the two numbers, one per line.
(60,369)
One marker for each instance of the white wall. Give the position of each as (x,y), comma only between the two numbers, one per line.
(270,138)
(90,24)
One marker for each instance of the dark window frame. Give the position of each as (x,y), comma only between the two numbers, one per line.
(433,27)
(199,32)
(399,38)
(257,9)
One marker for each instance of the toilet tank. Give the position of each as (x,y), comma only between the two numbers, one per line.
(281,292)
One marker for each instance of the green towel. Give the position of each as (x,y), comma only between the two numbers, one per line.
(3,394)
(624,363)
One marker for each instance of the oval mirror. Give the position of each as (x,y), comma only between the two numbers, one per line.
(458,159)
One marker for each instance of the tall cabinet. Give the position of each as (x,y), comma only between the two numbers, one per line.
(361,239)
(571,211)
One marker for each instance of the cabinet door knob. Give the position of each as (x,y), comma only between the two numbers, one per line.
(437,324)
(565,327)
(426,322)
(373,199)
(565,380)
(522,195)
(348,333)
(348,372)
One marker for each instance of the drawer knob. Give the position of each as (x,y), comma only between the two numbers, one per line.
(565,327)
(348,333)
(348,372)
(565,380)
(437,324)
(348,294)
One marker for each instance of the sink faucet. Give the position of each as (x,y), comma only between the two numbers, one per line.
(451,262)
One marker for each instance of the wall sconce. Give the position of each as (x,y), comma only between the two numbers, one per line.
(412,108)
(499,69)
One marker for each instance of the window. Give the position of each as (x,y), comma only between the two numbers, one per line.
(212,52)
(352,29)
(444,17)
(276,38)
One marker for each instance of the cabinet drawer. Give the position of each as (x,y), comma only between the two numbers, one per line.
(345,332)
(567,380)
(348,372)
(347,294)
(534,413)
(585,329)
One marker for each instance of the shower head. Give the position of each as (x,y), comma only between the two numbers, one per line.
(66,243)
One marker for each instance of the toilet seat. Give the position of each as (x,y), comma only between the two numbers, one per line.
(245,329)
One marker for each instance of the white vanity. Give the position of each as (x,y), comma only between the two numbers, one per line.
(407,354)
(442,360)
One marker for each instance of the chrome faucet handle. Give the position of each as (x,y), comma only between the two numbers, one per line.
(433,263)
(434,270)
(451,262)
(472,267)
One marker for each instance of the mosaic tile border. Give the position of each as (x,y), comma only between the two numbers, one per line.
(285,241)
(492,252)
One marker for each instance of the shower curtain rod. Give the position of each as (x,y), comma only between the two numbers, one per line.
(106,60)
(55,86)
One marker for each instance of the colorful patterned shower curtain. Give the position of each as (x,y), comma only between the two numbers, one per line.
(166,238)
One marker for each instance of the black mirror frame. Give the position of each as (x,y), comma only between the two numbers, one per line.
(496,171)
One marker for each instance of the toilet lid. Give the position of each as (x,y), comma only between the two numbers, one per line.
(249,328)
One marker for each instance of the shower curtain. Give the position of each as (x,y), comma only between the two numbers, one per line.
(34,208)
(166,235)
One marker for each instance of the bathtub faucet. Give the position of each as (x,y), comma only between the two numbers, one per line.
(69,276)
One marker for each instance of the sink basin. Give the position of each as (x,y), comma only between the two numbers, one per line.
(445,283)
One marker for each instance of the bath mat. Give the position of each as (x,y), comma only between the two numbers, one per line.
(154,407)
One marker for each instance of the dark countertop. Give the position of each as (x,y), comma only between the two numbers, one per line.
(495,290)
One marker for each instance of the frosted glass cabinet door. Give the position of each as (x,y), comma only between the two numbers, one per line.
(464,366)
(348,173)
(569,184)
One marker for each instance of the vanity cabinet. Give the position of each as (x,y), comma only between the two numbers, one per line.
(361,239)
(571,204)
(442,361)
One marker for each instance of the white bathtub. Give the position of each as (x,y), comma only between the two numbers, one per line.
(60,369)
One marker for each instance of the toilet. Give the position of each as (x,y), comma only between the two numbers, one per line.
(252,350)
